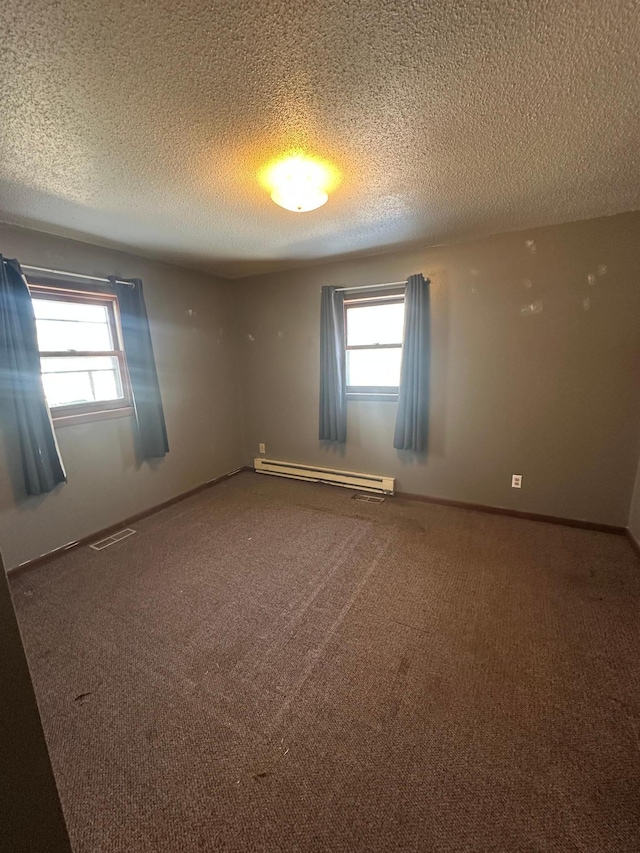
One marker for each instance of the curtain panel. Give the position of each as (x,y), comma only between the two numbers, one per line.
(152,429)
(333,401)
(412,419)
(21,383)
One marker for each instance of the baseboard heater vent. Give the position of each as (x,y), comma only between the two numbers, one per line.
(348,479)
(111,540)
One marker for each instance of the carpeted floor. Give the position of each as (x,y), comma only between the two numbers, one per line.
(273,666)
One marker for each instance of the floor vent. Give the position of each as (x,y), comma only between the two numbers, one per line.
(368,499)
(111,540)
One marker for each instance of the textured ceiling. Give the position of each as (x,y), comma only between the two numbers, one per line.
(142,124)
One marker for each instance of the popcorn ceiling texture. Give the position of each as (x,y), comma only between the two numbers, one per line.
(142,125)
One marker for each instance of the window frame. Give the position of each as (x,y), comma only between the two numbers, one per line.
(382,393)
(63,291)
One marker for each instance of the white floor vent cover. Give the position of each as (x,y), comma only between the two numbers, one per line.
(111,540)
(369,499)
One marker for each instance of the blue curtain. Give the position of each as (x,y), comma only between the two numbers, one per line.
(333,401)
(412,420)
(141,363)
(21,383)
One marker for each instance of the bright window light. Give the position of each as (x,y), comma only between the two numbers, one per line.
(374,329)
(81,358)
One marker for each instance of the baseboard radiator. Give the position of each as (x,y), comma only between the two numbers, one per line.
(348,479)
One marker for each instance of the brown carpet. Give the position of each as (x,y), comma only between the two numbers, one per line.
(272,665)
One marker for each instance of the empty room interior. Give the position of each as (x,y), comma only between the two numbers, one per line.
(320,426)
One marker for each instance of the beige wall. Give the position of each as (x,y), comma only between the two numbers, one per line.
(196,359)
(554,396)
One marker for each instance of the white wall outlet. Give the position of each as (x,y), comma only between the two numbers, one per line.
(516,481)
(261,448)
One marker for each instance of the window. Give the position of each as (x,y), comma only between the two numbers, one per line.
(81,356)
(373,334)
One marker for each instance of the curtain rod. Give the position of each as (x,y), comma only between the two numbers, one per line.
(372,286)
(73,274)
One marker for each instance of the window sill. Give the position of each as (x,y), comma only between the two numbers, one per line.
(373,397)
(87,417)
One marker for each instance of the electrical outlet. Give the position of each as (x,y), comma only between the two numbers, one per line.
(516,481)
(261,448)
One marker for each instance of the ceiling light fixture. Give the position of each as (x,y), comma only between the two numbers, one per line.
(298,183)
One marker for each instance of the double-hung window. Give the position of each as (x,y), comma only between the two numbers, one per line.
(81,355)
(373,334)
